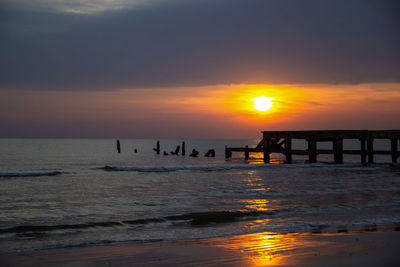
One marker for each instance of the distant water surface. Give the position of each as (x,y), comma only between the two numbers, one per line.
(70,192)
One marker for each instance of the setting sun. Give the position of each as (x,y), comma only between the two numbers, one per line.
(262,103)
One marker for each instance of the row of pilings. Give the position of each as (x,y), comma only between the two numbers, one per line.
(281,142)
(180,149)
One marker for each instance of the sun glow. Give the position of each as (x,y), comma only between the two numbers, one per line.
(260,102)
(263,103)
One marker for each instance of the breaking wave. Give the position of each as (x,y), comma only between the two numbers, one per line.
(28,174)
(220,167)
(194,219)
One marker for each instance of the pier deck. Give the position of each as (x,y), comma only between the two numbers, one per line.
(281,142)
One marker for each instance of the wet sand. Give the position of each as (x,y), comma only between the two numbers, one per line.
(263,249)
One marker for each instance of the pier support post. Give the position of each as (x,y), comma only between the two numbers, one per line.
(157,149)
(228,153)
(363,151)
(312,150)
(338,150)
(370,149)
(183,148)
(118,146)
(288,149)
(246,153)
(393,142)
(267,150)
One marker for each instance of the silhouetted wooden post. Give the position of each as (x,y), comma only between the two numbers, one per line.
(288,148)
(118,146)
(194,153)
(210,153)
(393,142)
(157,149)
(183,148)
(312,150)
(246,153)
(370,149)
(338,150)
(228,153)
(176,152)
(267,150)
(363,150)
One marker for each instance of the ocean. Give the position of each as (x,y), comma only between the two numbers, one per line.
(80,192)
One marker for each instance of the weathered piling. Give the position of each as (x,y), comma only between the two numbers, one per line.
(176,152)
(228,152)
(312,150)
(288,149)
(370,149)
(157,149)
(194,153)
(183,148)
(338,150)
(118,146)
(363,150)
(267,149)
(281,142)
(246,153)
(210,153)
(394,145)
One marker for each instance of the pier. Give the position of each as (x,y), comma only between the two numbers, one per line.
(281,142)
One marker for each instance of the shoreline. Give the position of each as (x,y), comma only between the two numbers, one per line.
(260,249)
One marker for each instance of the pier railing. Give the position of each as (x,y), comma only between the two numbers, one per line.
(281,142)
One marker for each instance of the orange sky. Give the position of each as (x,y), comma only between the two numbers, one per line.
(220,111)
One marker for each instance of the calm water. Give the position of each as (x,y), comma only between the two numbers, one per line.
(57,193)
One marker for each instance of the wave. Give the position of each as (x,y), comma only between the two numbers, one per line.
(221,167)
(194,219)
(43,232)
(28,174)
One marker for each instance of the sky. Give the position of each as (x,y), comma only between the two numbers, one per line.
(190,69)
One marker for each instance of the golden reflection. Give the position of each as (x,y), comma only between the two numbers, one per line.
(271,249)
(254,183)
(257,204)
(258,158)
(265,249)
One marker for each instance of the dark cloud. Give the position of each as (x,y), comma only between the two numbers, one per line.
(202,42)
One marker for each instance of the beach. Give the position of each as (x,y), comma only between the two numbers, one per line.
(199,133)
(262,249)
(80,203)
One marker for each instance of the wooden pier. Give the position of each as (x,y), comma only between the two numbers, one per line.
(281,142)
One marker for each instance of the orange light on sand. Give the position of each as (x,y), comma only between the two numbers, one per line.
(266,249)
(276,249)
(262,103)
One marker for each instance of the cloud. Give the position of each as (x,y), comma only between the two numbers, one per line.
(78,6)
(202,42)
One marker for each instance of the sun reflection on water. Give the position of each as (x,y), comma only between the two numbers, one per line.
(275,249)
(254,182)
(256,204)
(258,158)
(266,249)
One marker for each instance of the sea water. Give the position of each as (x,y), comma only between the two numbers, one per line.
(81,192)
